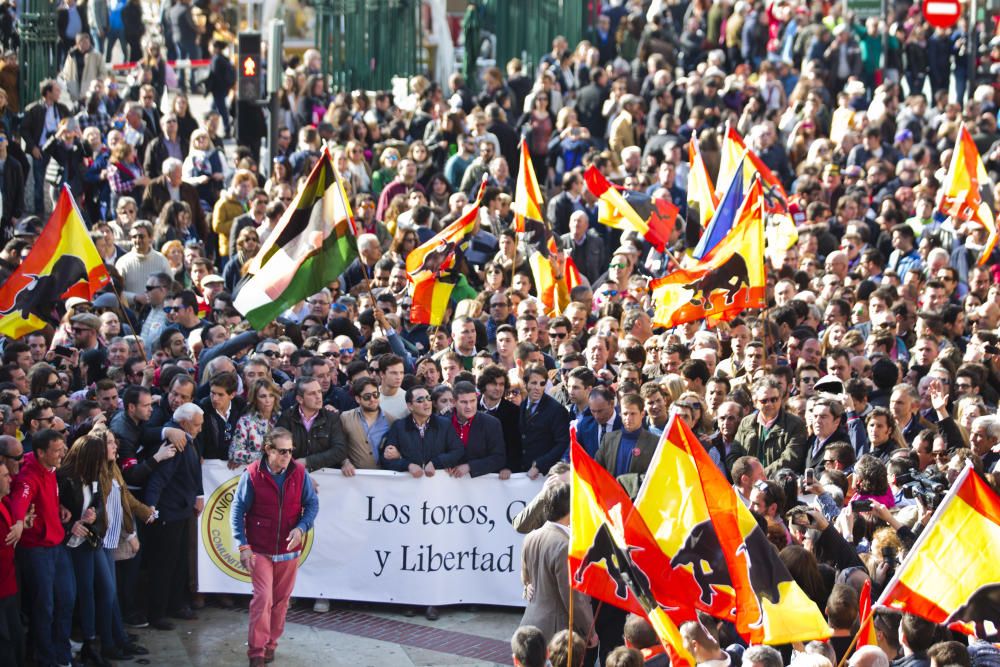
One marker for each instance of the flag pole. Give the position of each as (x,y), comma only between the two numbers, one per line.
(569,655)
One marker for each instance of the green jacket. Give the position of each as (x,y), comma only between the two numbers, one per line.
(784,446)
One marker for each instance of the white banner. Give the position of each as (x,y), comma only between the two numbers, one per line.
(386,537)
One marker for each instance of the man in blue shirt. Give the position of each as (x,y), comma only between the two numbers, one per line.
(275,506)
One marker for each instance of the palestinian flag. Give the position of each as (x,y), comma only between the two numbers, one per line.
(629,210)
(315,240)
(64,262)
(432,294)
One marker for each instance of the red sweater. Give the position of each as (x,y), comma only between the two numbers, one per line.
(36,484)
(8,578)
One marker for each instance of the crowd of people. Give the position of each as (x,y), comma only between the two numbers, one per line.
(840,413)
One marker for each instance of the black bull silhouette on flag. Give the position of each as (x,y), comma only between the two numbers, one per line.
(42,292)
(703,552)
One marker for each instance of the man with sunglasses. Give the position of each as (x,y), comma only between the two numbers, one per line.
(274,508)
(12,454)
(364,427)
(771,434)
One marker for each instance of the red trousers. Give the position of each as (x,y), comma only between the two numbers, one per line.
(272,587)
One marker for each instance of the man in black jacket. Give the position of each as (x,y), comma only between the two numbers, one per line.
(589,104)
(544,425)
(585,246)
(221,79)
(41,120)
(480,434)
(12,182)
(492,385)
(421,443)
(223,408)
(175,490)
(316,432)
(562,206)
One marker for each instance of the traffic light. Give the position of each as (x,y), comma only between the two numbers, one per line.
(249,87)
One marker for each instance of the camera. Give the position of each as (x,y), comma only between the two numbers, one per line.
(929,489)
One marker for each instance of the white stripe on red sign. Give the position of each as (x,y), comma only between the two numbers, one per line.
(942,8)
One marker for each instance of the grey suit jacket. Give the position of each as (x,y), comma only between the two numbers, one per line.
(545,568)
(607,453)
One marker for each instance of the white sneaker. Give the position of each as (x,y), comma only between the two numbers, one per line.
(321,606)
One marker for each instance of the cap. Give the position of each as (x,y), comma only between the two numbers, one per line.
(75,301)
(106,300)
(29,226)
(212,278)
(88,320)
(830,384)
(713,73)
(903,135)
(831,169)
(854,171)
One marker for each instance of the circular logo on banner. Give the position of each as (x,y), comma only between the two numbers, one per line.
(217,533)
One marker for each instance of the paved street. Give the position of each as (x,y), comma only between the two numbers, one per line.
(350,635)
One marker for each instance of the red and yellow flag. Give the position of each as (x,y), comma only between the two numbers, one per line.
(63,263)
(733,150)
(438,252)
(866,633)
(629,210)
(700,191)
(951,575)
(527,204)
(613,556)
(432,294)
(549,289)
(731,278)
(966,194)
(719,555)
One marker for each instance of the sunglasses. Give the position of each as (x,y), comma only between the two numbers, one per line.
(557,335)
(422,399)
(14,458)
(346,351)
(769,400)
(170,309)
(617,266)
(282,451)
(270,354)
(332,355)
(150,288)
(371,395)
(941,455)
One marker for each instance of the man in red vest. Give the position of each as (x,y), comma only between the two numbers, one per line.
(275,506)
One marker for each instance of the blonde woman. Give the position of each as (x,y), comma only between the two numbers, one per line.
(253,427)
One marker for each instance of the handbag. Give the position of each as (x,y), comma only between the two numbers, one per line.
(124,550)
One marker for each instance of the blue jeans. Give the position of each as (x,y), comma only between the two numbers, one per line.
(51,593)
(95,594)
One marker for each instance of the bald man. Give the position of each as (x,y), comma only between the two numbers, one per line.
(11,453)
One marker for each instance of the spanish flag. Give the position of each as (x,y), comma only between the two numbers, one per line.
(613,556)
(527,205)
(438,252)
(554,294)
(653,219)
(952,575)
(700,191)
(432,294)
(866,633)
(966,194)
(728,280)
(716,547)
(64,262)
(733,151)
